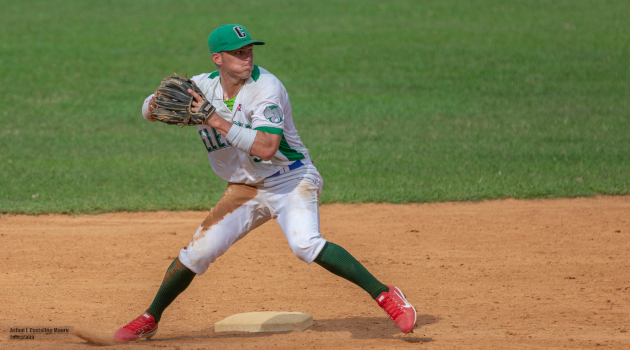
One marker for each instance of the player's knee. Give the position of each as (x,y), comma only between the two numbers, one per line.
(203,250)
(308,248)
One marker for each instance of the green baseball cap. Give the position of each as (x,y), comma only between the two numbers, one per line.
(230,37)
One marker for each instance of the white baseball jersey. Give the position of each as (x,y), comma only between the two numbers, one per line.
(262,104)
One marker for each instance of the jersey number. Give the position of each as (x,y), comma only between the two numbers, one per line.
(210,146)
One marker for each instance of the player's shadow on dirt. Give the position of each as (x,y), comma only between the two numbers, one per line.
(374,328)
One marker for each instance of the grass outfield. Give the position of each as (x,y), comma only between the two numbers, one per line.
(400,101)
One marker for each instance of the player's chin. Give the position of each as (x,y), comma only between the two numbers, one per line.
(246,74)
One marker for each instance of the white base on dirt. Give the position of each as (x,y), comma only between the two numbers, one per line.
(267,321)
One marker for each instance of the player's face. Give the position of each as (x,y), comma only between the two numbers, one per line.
(239,62)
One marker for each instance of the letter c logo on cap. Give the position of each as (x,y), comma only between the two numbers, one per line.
(240,32)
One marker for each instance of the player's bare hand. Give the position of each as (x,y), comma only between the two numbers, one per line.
(197,102)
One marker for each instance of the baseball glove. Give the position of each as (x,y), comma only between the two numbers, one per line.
(173,102)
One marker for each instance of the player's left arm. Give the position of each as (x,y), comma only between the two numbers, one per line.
(264,146)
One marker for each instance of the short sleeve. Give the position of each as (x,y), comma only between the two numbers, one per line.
(268,114)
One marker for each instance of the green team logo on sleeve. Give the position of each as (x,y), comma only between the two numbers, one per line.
(273,113)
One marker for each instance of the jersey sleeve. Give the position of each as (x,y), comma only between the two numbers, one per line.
(268,114)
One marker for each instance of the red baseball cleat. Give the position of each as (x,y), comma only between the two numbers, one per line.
(142,327)
(398,308)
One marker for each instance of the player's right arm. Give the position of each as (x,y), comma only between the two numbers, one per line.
(148,107)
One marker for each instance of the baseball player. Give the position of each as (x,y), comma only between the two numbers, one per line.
(252,144)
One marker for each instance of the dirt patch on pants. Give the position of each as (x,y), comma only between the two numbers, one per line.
(490,275)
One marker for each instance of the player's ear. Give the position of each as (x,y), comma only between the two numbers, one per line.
(217,58)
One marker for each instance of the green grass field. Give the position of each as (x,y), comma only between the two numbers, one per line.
(399,101)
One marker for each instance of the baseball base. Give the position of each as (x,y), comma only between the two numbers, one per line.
(268,321)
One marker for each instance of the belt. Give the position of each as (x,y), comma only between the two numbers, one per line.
(291,166)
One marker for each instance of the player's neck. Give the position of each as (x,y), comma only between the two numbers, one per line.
(231,86)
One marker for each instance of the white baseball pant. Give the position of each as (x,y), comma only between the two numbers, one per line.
(290,198)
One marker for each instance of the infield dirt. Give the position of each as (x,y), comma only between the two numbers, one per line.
(507,274)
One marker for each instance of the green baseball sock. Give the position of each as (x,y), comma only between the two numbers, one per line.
(338,261)
(176,280)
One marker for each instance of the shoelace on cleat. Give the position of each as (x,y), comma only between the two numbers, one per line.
(391,307)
